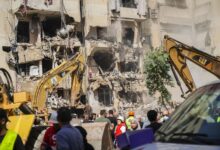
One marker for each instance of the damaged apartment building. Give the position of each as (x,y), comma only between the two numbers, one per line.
(114,53)
(41,34)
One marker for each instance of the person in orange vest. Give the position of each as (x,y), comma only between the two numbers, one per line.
(9,140)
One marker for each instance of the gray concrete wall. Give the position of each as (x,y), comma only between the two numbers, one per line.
(6,33)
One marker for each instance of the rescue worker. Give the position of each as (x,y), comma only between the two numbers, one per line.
(119,129)
(121,126)
(129,119)
(49,140)
(9,140)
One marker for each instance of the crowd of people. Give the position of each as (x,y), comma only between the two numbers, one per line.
(61,135)
(119,124)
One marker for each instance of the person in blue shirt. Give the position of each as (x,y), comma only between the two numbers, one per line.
(68,137)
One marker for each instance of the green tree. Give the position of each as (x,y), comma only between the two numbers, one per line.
(156,69)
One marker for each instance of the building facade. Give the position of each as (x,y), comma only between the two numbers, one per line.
(114,35)
(38,36)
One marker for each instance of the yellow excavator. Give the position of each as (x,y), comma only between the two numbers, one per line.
(179,52)
(74,67)
(21,105)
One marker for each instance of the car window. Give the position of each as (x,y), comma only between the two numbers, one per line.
(197,120)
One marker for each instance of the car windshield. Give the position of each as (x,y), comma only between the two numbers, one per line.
(196,121)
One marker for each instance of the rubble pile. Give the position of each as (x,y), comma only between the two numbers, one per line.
(110,37)
(53,101)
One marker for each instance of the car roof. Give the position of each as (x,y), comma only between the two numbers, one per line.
(211,83)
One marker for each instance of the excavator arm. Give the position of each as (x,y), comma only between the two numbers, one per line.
(180,52)
(74,67)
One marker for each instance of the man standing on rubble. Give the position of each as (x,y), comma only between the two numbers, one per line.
(9,140)
(68,137)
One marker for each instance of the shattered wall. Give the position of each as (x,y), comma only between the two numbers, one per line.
(117,35)
(96,14)
(37,36)
(114,50)
(51,31)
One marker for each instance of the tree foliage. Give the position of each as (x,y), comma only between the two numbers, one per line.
(157,70)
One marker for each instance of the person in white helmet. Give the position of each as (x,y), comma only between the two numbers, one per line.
(49,140)
(120,128)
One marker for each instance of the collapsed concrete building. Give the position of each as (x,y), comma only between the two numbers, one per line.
(115,53)
(40,35)
(36,36)
(44,33)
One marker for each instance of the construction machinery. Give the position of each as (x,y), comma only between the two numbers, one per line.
(11,101)
(26,103)
(179,53)
(19,104)
(194,123)
(74,67)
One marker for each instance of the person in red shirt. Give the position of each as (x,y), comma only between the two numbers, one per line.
(49,140)
(120,128)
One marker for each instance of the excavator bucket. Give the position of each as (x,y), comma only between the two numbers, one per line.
(22,125)
(99,135)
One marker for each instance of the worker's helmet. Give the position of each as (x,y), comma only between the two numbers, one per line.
(130,113)
(121,118)
(53,118)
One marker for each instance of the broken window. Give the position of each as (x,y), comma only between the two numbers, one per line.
(101,33)
(51,25)
(128,67)
(129,3)
(35,29)
(131,97)
(29,69)
(93,68)
(128,36)
(23,32)
(105,95)
(177,3)
(47,64)
(104,59)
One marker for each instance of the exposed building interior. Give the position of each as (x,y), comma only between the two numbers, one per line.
(114,40)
